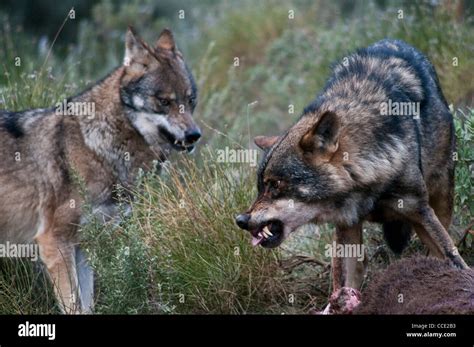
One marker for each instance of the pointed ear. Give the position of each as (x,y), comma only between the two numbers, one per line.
(166,41)
(134,50)
(323,136)
(265,142)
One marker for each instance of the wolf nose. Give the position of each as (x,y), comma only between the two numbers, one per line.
(242,220)
(191,136)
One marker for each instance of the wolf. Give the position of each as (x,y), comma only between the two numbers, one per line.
(142,111)
(347,160)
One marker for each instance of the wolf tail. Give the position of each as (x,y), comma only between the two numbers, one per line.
(397,234)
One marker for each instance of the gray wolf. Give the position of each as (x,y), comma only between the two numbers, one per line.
(137,114)
(354,156)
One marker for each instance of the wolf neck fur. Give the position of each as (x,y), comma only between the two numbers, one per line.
(108,133)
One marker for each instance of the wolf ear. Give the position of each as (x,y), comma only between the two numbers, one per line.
(134,50)
(166,41)
(323,136)
(265,142)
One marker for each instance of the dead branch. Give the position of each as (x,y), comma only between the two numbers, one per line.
(290,264)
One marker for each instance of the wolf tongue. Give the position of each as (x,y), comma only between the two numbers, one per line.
(256,240)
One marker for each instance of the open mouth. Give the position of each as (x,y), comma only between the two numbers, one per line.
(268,234)
(174,142)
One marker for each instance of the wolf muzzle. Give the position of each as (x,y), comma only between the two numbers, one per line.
(268,234)
(242,221)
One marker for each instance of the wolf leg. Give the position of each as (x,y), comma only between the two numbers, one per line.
(58,256)
(85,276)
(443,208)
(349,270)
(441,200)
(427,220)
(429,242)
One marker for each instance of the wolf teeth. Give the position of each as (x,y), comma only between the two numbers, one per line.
(262,235)
(267,231)
(175,142)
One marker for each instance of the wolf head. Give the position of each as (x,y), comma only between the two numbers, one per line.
(159,92)
(299,180)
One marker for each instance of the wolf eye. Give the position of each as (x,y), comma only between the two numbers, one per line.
(192,100)
(164,102)
(274,187)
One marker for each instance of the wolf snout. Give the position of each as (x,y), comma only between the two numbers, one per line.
(242,220)
(192,136)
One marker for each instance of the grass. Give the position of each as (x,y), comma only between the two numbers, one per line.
(24,288)
(199,262)
(180,252)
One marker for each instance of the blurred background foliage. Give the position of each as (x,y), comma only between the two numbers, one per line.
(283,61)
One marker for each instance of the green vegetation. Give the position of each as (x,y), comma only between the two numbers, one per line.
(179,251)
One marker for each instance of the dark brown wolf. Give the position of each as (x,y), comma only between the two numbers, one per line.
(377,145)
(415,285)
(419,285)
(103,136)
